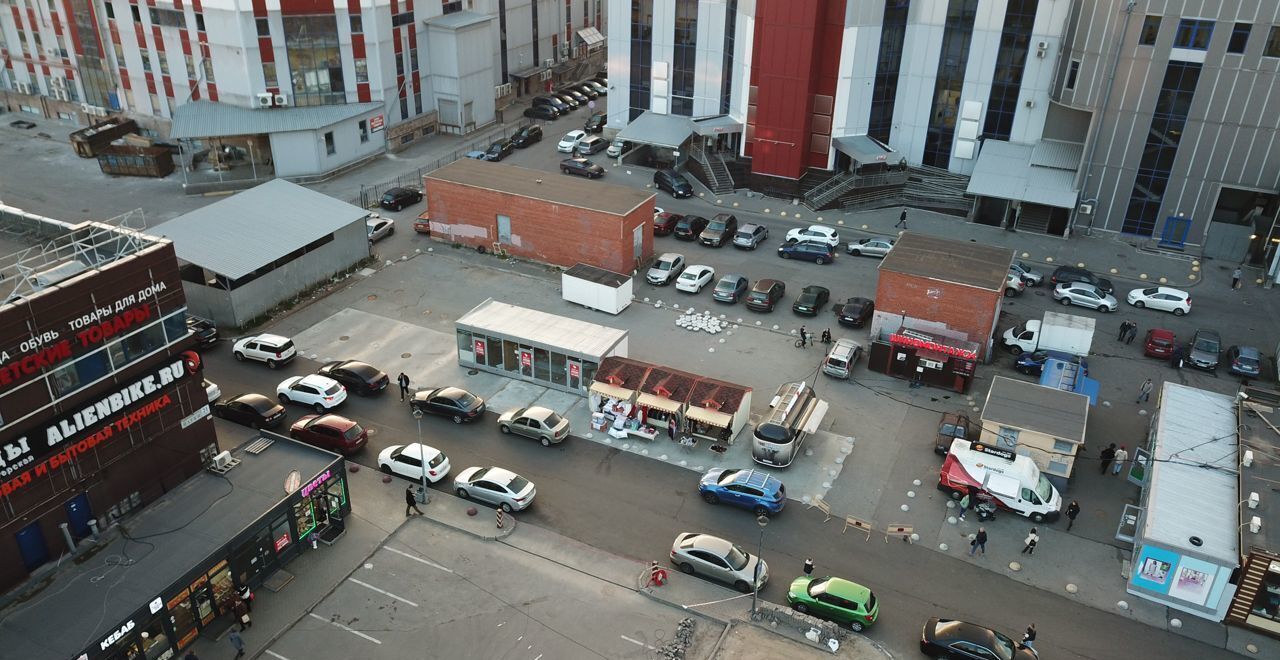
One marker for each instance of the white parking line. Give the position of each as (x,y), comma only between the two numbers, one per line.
(637,642)
(384,593)
(339,625)
(274,654)
(418,559)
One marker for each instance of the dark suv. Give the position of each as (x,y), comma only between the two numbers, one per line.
(765,294)
(1073,274)
(818,253)
(673,182)
(527,136)
(1204,351)
(595,123)
(498,150)
(720,230)
(689,227)
(397,198)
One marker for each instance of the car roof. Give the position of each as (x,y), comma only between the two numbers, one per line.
(269,338)
(537,412)
(766,284)
(1161,333)
(712,544)
(1207,333)
(498,475)
(317,380)
(814,288)
(1171,291)
(847,590)
(335,421)
(254,400)
(957,631)
(1248,351)
(449,391)
(670,256)
(749,227)
(697,269)
(733,276)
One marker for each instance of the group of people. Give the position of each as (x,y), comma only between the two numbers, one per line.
(805,337)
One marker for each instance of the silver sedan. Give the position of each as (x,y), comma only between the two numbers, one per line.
(871,247)
(718,559)
(379,228)
(541,424)
(1085,295)
(495,485)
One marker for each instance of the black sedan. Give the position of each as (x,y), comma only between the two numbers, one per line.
(811,300)
(205,331)
(581,167)
(498,150)
(943,638)
(452,402)
(253,410)
(397,198)
(527,136)
(542,112)
(855,312)
(356,376)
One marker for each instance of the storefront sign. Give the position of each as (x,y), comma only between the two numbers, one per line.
(994,451)
(115,636)
(478,347)
(914,340)
(575,370)
(375,123)
(282,541)
(292,481)
(526,358)
(316,483)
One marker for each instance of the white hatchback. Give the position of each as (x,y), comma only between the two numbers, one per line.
(694,278)
(1163,298)
(413,460)
(319,392)
(814,234)
(570,141)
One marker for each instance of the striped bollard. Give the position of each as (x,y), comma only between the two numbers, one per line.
(499,518)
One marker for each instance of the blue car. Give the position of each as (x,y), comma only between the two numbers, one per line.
(818,253)
(1032,364)
(748,489)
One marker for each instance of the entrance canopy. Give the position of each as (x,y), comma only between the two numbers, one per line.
(1042,173)
(591,37)
(651,128)
(864,149)
(716,125)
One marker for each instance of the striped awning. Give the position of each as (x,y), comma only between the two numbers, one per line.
(713,417)
(658,403)
(611,391)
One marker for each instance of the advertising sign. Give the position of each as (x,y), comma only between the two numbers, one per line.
(575,370)
(478,347)
(376,123)
(526,359)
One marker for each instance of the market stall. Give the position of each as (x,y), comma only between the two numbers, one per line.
(924,357)
(612,398)
(662,400)
(717,411)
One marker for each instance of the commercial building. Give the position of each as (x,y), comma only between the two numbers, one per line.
(1256,604)
(1043,423)
(102,409)
(1048,116)
(553,219)
(631,398)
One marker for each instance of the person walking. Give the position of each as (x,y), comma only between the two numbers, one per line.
(1108,455)
(808,566)
(1121,457)
(1029,543)
(804,337)
(671,428)
(1176,360)
(246,594)
(1236,276)
(410,502)
(979,542)
(1073,510)
(902,220)
(1133,332)
(238,642)
(241,611)
(1144,392)
(1029,637)
(1124,330)
(964,506)
(403,381)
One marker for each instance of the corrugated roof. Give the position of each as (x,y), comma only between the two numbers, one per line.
(573,191)
(568,335)
(1192,491)
(458,20)
(1058,155)
(205,119)
(972,264)
(668,131)
(1037,408)
(598,275)
(1004,171)
(286,216)
(591,37)
(1262,475)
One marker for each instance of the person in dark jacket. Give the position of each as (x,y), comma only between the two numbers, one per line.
(1073,510)
(410,502)
(1029,637)
(1108,455)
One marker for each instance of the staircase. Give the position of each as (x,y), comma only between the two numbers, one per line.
(711,171)
(1250,582)
(1034,218)
(828,192)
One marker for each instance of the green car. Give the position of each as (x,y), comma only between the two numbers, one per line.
(834,599)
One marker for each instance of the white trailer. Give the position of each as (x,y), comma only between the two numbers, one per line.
(596,288)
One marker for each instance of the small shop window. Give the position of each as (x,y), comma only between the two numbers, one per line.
(155,644)
(541,364)
(281,537)
(1267,603)
(510,355)
(1063,447)
(224,592)
(336,488)
(183,618)
(304,515)
(493,352)
(588,373)
(175,327)
(465,350)
(559,370)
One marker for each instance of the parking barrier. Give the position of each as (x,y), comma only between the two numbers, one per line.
(499,517)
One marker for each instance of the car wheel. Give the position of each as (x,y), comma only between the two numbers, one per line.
(820,261)
(1179,312)
(856,253)
(271,364)
(855,626)
(761,511)
(743,586)
(801,608)
(785,255)
(318,408)
(1016,350)
(1103,308)
(462,492)
(546,442)
(1037,517)
(564,170)
(284,398)
(710,498)
(239,356)
(392,230)
(1066,302)
(685,568)
(1139,304)
(386,469)
(1008,293)
(504,428)
(505,507)
(457,419)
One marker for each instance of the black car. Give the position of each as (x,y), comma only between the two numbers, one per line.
(547,112)
(398,198)
(356,376)
(1072,274)
(595,123)
(567,99)
(811,300)
(943,638)
(854,312)
(253,410)
(586,90)
(498,150)
(673,182)
(581,167)
(452,402)
(689,227)
(527,136)
(818,253)
(765,294)
(574,94)
(205,331)
(553,101)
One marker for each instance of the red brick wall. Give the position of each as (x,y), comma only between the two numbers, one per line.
(540,231)
(962,308)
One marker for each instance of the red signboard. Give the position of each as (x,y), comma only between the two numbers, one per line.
(575,370)
(917,342)
(526,358)
(479,349)
(375,123)
(282,541)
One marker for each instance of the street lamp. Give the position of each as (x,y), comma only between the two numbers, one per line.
(422,458)
(763,521)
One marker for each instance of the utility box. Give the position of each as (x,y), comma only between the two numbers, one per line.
(596,288)
(90,141)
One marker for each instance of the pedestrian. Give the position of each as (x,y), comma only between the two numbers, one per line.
(804,337)
(1124,331)
(1176,361)
(964,506)
(1029,637)
(1121,457)
(241,611)
(902,220)
(403,381)
(808,566)
(238,642)
(410,502)
(1133,332)
(1236,276)
(1073,510)
(979,542)
(1029,543)
(671,428)
(1144,392)
(246,594)
(1107,456)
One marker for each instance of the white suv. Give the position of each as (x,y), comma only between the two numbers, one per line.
(272,349)
(320,392)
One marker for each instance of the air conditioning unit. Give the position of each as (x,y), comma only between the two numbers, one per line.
(1029,103)
(564,50)
(281,100)
(265,99)
(87,109)
(549,62)
(58,83)
(1086,209)
(24,88)
(222,461)
(99,111)
(61,94)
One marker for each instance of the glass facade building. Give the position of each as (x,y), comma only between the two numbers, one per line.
(641,56)
(884,91)
(686,55)
(1011,61)
(945,109)
(1167,123)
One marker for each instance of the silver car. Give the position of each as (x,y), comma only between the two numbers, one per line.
(508,490)
(718,559)
(665,269)
(871,247)
(542,424)
(1085,295)
(379,228)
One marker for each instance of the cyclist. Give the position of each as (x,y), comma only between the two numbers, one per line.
(804,337)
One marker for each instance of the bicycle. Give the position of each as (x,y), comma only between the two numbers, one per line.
(803,342)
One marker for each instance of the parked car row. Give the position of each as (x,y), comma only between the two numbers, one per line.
(553,105)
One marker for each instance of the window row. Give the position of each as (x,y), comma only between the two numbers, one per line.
(115,356)
(1195,33)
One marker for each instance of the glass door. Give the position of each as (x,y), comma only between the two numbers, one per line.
(183,618)
(202,600)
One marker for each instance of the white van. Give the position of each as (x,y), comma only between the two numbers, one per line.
(1013,481)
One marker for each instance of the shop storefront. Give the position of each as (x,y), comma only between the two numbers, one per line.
(527,344)
(717,411)
(925,358)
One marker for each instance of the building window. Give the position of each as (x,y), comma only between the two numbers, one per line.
(1173,103)
(452,6)
(208,69)
(641,56)
(404,108)
(199,21)
(269,74)
(1073,73)
(264,28)
(364,131)
(315,60)
(685,57)
(727,73)
(1272,49)
(137,14)
(329,147)
(884,90)
(400,65)
(146,60)
(403,18)
(1011,60)
(1239,38)
(417,101)
(111,11)
(1150,31)
(1007,438)
(957,34)
(413,59)
(1193,34)
(164,63)
(357,26)
(362,70)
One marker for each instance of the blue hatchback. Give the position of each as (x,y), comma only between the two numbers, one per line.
(748,489)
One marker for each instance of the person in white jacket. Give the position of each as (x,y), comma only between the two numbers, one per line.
(1121,457)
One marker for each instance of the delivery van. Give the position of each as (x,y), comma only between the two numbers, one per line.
(1013,481)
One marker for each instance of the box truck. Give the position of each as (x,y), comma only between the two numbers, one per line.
(1067,333)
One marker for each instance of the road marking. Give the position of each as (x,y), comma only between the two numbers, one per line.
(384,593)
(713,602)
(637,642)
(346,628)
(418,559)
(277,655)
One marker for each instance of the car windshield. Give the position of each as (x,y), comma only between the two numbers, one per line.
(518,484)
(552,420)
(467,399)
(807,298)
(716,225)
(262,405)
(436,461)
(332,390)
(728,477)
(353,432)
(664,265)
(1207,344)
(1044,489)
(1161,342)
(737,558)
(758,295)
(744,234)
(727,284)
(690,275)
(818,586)
(1246,361)
(952,431)
(1004,646)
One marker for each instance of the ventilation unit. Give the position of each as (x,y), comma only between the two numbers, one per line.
(265,99)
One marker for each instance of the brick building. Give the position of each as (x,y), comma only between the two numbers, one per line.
(550,218)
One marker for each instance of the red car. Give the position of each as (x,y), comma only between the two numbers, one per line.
(1159,344)
(423,224)
(333,432)
(665,223)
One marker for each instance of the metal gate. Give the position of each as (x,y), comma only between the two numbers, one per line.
(1226,241)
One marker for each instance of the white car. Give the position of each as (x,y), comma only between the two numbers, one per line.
(1163,298)
(814,234)
(272,349)
(412,460)
(570,141)
(665,269)
(319,392)
(508,490)
(694,278)
(379,227)
(1013,285)
(871,247)
(1085,295)
(211,388)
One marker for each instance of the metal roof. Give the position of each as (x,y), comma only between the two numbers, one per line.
(213,237)
(1058,155)
(591,37)
(597,275)
(972,264)
(1036,408)
(669,131)
(1004,170)
(205,119)
(458,20)
(863,148)
(1192,490)
(559,189)
(557,332)
(717,125)
(1259,434)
